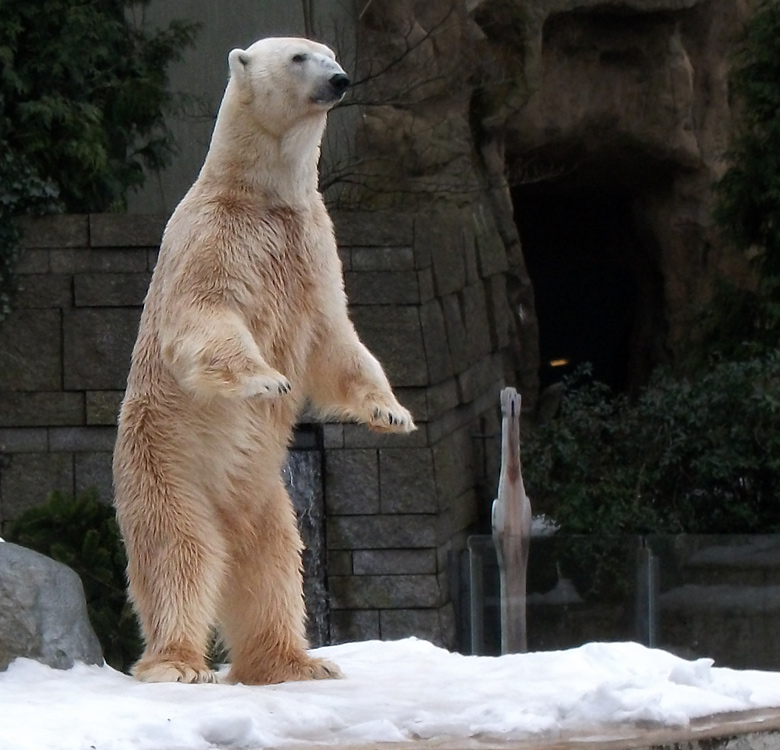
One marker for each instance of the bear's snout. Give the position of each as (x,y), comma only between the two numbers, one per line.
(339,83)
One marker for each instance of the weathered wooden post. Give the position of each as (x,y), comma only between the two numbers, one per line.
(512,528)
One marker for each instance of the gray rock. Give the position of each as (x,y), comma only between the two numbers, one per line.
(43,614)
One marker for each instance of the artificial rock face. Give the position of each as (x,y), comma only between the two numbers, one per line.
(43,614)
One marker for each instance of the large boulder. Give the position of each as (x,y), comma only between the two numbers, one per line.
(43,613)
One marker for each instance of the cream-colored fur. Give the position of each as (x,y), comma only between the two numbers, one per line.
(245,320)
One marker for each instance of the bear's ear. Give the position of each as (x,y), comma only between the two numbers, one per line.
(238,60)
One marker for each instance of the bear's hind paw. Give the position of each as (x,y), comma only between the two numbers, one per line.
(172,671)
(322,669)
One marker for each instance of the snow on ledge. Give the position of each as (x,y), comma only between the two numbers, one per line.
(392,692)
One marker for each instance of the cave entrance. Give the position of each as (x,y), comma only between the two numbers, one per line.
(599,295)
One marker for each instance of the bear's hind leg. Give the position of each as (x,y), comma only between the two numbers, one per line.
(263,612)
(175,568)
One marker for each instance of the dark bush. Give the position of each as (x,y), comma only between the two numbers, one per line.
(695,456)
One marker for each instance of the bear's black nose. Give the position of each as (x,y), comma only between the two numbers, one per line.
(339,82)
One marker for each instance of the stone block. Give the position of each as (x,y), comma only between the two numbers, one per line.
(97,347)
(382,259)
(437,352)
(43,612)
(394,335)
(458,517)
(93,471)
(103,406)
(423,236)
(425,285)
(482,376)
(373,228)
(32,260)
(345,257)
(453,460)
(110,289)
(24,440)
(385,592)
(381,532)
(406,480)
(339,562)
(71,230)
(306,437)
(442,397)
(456,332)
(360,436)
(152,255)
(30,351)
(333,436)
(352,478)
(27,479)
(382,287)
(415,400)
(498,311)
(395,624)
(44,290)
(79,439)
(349,625)
(491,252)
(41,409)
(116,260)
(475,318)
(126,230)
(393,562)
(445,240)
(451,421)
(470,255)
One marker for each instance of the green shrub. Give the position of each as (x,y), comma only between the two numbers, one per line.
(84,94)
(83,100)
(82,533)
(693,456)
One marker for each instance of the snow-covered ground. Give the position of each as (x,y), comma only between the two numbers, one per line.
(392,691)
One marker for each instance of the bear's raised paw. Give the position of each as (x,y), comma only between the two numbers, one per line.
(268,385)
(393,418)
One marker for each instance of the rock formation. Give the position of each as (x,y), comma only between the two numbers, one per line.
(554,111)
(43,614)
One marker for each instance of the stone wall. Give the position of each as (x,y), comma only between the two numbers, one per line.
(428,297)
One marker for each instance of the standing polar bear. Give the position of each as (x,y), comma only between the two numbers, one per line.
(245,320)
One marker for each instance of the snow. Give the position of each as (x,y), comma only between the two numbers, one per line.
(391,692)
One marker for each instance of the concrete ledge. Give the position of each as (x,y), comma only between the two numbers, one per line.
(749,730)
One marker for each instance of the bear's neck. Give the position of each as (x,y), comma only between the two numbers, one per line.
(280,168)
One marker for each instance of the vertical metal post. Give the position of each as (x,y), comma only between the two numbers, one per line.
(476,600)
(647,593)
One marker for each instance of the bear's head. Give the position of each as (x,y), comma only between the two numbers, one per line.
(285,80)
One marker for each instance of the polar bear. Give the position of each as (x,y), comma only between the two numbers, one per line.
(244,322)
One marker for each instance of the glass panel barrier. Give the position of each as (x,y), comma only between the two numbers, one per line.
(696,596)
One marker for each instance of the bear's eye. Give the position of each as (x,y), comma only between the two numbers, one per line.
(299,58)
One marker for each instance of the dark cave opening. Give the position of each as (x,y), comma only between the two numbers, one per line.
(598,293)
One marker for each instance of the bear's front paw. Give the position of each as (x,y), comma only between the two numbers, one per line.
(391,418)
(267,385)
